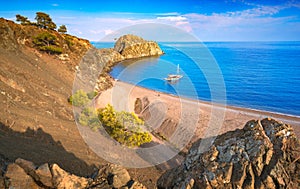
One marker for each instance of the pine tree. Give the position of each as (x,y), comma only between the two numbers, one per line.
(62,29)
(24,20)
(44,21)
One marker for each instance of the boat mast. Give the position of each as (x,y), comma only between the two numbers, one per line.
(177,68)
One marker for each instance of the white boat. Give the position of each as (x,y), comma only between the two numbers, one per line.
(174,77)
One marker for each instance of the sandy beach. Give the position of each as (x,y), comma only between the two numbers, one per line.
(197,118)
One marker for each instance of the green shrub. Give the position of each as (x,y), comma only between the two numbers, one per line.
(124,127)
(62,29)
(69,41)
(23,19)
(89,117)
(46,41)
(92,94)
(51,49)
(129,120)
(79,98)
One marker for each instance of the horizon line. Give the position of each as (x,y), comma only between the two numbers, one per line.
(206,41)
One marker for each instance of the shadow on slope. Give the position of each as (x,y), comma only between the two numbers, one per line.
(40,147)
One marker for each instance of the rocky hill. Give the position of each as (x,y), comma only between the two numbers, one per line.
(264,154)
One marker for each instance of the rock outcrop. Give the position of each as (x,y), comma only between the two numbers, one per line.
(24,174)
(264,154)
(131,46)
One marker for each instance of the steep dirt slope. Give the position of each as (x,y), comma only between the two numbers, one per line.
(33,99)
(36,120)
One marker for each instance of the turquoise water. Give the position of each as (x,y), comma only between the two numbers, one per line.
(257,75)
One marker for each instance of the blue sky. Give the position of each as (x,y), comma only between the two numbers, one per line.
(208,20)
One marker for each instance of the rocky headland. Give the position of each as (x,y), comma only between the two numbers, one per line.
(131,46)
(126,47)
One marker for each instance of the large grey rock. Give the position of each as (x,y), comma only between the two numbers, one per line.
(264,154)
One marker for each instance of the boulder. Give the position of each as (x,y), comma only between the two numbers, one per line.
(114,176)
(264,154)
(27,166)
(63,179)
(119,176)
(18,178)
(41,174)
(44,175)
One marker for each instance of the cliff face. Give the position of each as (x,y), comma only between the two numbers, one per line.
(264,154)
(131,46)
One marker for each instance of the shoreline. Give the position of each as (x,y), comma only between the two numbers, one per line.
(181,110)
(228,107)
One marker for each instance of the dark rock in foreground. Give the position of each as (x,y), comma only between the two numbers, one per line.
(264,154)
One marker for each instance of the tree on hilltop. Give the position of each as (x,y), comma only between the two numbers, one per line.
(24,20)
(62,29)
(44,21)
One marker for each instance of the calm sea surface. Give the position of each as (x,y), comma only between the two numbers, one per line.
(257,75)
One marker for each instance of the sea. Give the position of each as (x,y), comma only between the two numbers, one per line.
(256,75)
